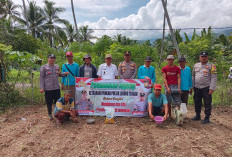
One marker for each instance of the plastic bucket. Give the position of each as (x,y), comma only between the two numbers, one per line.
(159,119)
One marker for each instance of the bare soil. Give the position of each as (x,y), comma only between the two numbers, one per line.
(35,135)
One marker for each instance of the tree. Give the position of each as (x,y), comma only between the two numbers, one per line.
(9,9)
(70,32)
(36,19)
(123,40)
(85,34)
(51,14)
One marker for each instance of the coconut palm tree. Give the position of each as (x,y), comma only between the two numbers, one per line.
(51,14)
(84,34)
(8,9)
(70,32)
(36,19)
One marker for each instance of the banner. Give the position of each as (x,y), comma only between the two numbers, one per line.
(127,96)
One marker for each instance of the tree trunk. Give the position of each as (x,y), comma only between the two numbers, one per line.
(25,13)
(74,18)
(171,30)
(162,42)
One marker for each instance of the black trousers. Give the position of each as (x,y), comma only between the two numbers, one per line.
(51,97)
(184,96)
(200,94)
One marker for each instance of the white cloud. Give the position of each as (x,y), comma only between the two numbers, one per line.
(183,13)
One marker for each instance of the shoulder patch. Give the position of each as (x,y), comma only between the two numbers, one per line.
(213,69)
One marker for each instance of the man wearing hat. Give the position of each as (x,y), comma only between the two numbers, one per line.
(172,80)
(108,70)
(87,69)
(72,68)
(49,82)
(147,71)
(127,69)
(204,84)
(186,80)
(84,103)
(157,103)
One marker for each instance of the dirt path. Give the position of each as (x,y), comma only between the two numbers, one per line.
(37,136)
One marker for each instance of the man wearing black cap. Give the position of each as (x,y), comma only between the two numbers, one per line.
(147,71)
(204,84)
(140,105)
(186,80)
(87,69)
(127,69)
(49,82)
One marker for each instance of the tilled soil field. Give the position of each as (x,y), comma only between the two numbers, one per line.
(26,131)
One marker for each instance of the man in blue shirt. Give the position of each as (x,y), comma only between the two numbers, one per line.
(147,71)
(157,103)
(72,69)
(186,80)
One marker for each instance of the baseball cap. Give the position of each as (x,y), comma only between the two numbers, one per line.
(148,58)
(87,56)
(69,53)
(127,53)
(108,56)
(204,53)
(182,59)
(170,57)
(51,56)
(157,86)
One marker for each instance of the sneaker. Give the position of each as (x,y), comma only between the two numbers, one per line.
(205,121)
(196,118)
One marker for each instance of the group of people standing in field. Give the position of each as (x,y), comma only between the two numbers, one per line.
(202,80)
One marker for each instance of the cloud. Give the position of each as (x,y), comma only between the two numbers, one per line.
(183,14)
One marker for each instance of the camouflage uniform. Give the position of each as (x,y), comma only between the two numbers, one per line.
(204,79)
(127,70)
(50,84)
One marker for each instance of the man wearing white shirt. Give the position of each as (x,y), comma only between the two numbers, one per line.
(108,70)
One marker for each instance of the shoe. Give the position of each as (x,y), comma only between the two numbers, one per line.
(50,117)
(196,118)
(205,121)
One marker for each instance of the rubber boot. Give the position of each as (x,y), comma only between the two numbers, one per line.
(196,118)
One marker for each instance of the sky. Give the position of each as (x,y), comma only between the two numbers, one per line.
(144,14)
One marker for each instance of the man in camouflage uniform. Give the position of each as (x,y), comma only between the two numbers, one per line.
(127,69)
(204,83)
(49,82)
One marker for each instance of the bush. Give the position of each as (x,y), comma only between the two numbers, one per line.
(10,97)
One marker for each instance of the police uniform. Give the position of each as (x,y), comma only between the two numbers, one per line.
(140,105)
(127,70)
(204,79)
(50,84)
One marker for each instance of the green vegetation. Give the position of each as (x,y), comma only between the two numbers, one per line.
(22,53)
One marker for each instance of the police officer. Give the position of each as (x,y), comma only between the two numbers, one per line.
(204,84)
(49,82)
(127,69)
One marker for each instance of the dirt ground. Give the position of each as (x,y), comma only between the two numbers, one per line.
(35,135)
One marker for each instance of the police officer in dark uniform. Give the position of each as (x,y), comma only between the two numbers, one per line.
(127,69)
(204,84)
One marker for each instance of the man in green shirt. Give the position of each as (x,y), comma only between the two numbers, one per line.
(157,103)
